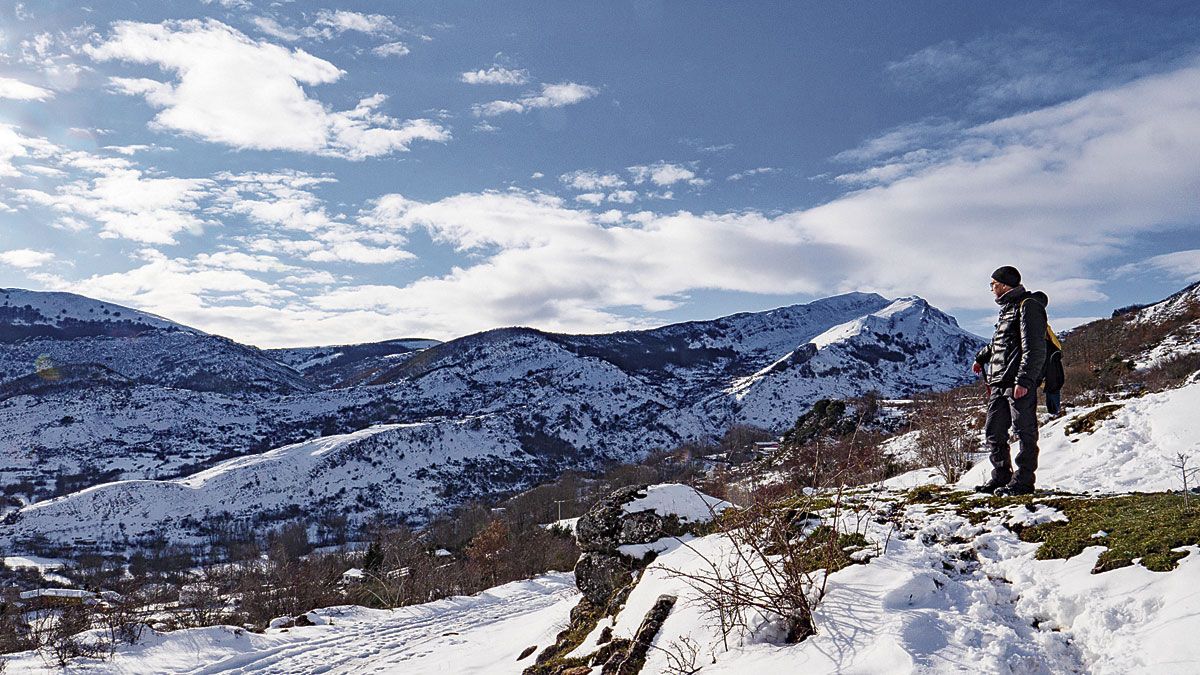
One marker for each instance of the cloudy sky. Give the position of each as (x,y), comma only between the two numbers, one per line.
(296,173)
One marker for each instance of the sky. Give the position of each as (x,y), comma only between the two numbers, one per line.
(296,173)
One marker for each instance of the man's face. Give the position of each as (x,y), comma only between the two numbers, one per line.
(999,289)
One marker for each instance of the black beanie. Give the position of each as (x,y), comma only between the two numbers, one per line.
(1007,275)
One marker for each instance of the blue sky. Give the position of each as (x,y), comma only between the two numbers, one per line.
(298,173)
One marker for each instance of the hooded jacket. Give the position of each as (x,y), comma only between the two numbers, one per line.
(1017,352)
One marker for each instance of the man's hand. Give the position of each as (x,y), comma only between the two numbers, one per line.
(1019,391)
(976,368)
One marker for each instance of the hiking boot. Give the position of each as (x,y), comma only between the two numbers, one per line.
(990,487)
(1014,489)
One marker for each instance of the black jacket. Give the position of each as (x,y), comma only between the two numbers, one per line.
(1017,352)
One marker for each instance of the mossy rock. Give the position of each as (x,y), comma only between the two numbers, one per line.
(1087,422)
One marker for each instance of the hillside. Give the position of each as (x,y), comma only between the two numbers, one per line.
(164,403)
(42,333)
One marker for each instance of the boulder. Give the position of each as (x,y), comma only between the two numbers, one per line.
(638,514)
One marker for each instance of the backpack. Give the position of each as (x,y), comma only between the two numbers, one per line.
(1052,377)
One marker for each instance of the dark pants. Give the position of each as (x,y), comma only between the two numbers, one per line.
(1004,411)
(1053,402)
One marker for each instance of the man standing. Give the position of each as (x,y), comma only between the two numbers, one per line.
(1011,365)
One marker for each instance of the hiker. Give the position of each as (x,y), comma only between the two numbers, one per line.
(1053,376)
(1012,365)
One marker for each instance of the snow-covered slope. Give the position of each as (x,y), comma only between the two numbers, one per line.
(477,635)
(1130,447)
(405,470)
(36,313)
(345,365)
(939,595)
(43,332)
(1182,311)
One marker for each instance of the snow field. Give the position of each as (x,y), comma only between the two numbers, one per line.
(946,597)
(481,634)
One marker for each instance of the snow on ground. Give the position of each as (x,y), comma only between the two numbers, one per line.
(566,524)
(478,634)
(1131,451)
(947,597)
(683,501)
(914,478)
(42,565)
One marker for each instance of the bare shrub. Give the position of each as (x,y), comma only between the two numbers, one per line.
(65,638)
(774,569)
(945,439)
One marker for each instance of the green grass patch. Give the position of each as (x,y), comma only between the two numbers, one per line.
(1145,526)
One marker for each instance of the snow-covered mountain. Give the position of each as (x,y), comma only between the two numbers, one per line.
(41,332)
(346,365)
(164,402)
(905,347)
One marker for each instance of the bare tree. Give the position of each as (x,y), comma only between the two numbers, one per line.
(1186,473)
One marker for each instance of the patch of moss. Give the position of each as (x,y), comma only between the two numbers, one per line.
(825,548)
(1145,526)
(1086,423)
(553,660)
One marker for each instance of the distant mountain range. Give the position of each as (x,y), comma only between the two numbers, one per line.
(142,425)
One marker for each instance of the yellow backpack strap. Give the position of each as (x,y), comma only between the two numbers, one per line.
(1053,338)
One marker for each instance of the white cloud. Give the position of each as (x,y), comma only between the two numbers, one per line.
(285,201)
(20,91)
(17,146)
(1183,265)
(247,94)
(495,75)
(1049,191)
(550,96)
(1022,67)
(342,21)
(54,55)
(536,175)
(664,173)
(237,260)
(24,258)
(591,180)
(391,49)
(593,198)
(328,24)
(741,175)
(126,202)
(270,26)
(623,196)
(357,252)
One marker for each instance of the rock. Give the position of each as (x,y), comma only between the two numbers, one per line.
(577,670)
(282,622)
(631,661)
(668,510)
(599,575)
(603,571)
